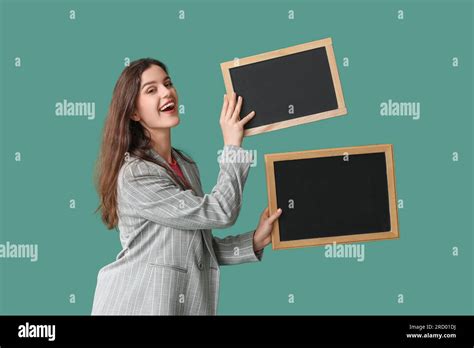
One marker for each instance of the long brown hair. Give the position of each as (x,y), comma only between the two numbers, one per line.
(121,135)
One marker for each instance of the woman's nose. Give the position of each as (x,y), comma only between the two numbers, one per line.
(165,92)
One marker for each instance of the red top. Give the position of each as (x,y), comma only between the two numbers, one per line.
(174,165)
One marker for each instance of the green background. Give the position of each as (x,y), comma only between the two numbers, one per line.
(79,60)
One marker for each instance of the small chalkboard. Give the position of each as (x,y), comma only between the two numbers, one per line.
(286,87)
(334,195)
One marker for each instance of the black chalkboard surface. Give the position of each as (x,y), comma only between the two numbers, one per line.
(340,195)
(287,87)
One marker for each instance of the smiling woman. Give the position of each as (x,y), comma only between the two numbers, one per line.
(156,104)
(151,192)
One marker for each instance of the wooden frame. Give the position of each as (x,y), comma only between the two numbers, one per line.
(272,199)
(341,110)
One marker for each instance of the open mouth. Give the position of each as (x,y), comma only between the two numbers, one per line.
(168,107)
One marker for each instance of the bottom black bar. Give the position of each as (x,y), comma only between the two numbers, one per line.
(222,330)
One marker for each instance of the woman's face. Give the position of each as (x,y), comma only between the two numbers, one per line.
(153,109)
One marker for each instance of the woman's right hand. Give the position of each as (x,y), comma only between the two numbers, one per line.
(231,124)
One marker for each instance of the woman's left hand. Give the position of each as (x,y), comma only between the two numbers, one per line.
(262,236)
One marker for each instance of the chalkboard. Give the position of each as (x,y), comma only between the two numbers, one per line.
(286,87)
(335,195)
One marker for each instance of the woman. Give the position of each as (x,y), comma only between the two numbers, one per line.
(152,192)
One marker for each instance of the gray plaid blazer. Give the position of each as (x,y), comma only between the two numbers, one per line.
(169,264)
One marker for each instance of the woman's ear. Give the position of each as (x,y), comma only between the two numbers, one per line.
(135,117)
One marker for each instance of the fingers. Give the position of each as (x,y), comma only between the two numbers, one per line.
(236,112)
(225,104)
(264,215)
(268,239)
(247,118)
(231,110)
(231,107)
(274,216)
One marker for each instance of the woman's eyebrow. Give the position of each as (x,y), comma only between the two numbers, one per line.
(151,82)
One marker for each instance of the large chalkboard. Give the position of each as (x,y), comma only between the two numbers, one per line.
(287,87)
(335,195)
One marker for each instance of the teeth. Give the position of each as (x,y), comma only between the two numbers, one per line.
(167,105)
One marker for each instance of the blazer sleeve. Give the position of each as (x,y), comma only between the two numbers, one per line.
(233,250)
(154,196)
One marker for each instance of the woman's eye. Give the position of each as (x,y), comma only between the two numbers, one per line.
(168,84)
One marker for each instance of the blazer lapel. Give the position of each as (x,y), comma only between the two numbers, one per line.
(189,173)
(187,168)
